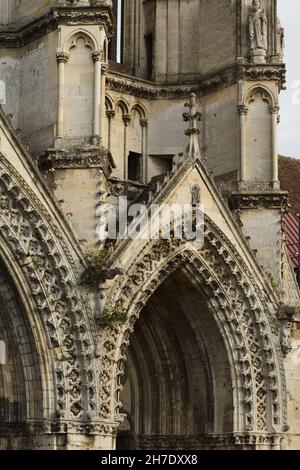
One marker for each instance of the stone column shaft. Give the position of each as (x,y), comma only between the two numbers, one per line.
(110,114)
(104,69)
(144,124)
(126,120)
(243,110)
(275,176)
(62,58)
(97,56)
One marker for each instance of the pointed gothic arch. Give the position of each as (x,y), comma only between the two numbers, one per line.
(62,393)
(80,33)
(260,88)
(241,312)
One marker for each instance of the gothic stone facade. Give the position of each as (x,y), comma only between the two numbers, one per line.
(207,355)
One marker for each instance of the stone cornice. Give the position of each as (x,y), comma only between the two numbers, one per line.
(17,37)
(263,200)
(126,84)
(61,426)
(242,441)
(57,159)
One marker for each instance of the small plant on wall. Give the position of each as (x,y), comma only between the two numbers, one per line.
(115,314)
(95,269)
(98,269)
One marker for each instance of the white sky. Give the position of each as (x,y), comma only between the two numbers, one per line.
(289,129)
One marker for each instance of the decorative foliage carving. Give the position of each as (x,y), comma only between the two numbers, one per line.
(77,158)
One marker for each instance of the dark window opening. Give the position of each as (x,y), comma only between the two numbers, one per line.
(116,43)
(149,54)
(134,166)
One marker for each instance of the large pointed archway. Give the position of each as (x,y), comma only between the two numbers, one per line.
(21,390)
(242,315)
(177,382)
(49,387)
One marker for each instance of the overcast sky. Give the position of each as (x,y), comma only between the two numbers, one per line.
(289,130)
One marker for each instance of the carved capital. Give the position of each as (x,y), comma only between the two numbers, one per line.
(126,119)
(110,113)
(144,122)
(97,56)
(243,109)
(273,109)
(62,56)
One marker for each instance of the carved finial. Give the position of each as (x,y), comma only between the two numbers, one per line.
(193,116)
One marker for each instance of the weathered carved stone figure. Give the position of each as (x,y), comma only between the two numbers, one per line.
(280,39)
(196,194)
(258,31)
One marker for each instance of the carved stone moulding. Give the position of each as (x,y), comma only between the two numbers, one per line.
(68,15)
(57,159)
(201,86)
(228,441)
(101,428)
(97,14)
(150,92)
(263,200)
(266,72)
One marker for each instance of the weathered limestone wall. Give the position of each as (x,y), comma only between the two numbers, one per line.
(30,75)
(190,37)
(6,11)
(217,48)
(24,10)
(38,93)
(79,92)
(20,12)
(78,193)
(292,367)
(263,226)
(258,114)
(10,77)
(259,140)
(220,131)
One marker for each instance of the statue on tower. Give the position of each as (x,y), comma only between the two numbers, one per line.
(280,40)
(258,32)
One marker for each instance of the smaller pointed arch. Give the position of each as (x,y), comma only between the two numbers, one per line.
(71,40)
(109,104)
(140,109)
(266,93)
(123,105)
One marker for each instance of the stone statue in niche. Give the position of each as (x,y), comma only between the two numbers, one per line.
(196,194)
(280,39)
(258,32)
(286,337)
